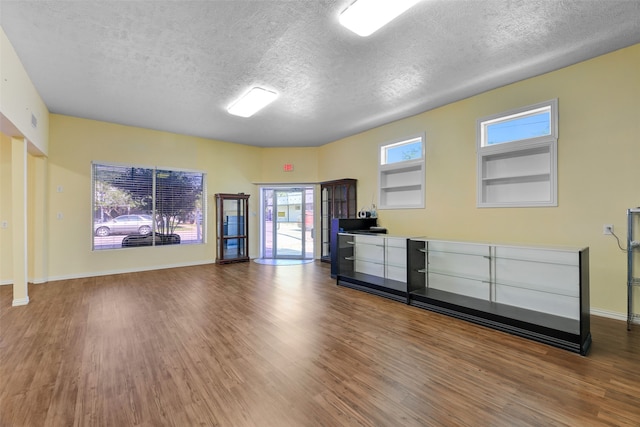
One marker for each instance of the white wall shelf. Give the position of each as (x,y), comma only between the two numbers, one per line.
(401,185)
(519,178)
(541,177)
(522,172)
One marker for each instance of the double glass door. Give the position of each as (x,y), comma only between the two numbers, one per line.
(287,223)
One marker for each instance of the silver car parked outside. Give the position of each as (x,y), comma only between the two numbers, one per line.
(125,224)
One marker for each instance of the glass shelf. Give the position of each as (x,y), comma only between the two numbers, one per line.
(374,262)
(508,179)
(535,292)
(483,279)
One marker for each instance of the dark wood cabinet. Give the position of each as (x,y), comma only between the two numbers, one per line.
(232,227)
(339,200)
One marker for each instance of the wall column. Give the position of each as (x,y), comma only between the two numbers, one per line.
(19,220)
(37,207)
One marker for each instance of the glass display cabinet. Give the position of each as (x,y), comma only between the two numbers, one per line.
(540,293)
(232,227)
(374,263)
(338,201)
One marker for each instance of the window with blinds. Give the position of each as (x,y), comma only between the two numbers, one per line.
(137,206)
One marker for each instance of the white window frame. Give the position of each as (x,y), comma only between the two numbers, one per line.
(520,173)
(200,217)
(401,185)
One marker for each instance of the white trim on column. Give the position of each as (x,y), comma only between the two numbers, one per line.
(20,301)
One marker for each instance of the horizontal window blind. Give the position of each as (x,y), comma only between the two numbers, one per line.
(137,206)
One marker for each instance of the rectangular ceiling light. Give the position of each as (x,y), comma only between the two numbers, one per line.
(364,17)
(251,102)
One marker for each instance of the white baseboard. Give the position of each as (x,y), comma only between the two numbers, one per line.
(20,301)
(30,281)
(609,314)
(124,271)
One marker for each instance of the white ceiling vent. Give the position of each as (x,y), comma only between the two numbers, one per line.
(34,121)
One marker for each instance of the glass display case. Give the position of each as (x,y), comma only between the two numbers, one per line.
(541,293)
(374,263)
(232,227)
(338,201)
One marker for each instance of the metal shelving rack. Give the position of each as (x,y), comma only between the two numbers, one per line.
(633,264)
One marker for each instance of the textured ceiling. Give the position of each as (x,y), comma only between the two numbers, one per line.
(176,65)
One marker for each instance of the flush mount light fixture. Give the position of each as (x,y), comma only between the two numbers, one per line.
(251,102)
(364,17)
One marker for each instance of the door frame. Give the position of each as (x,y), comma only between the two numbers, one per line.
(306,242)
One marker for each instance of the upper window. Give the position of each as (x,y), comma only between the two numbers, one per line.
(517,152)
(519,126)
(401,174)
(401,151)
(137,206)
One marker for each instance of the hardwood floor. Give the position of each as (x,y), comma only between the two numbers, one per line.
(258,345)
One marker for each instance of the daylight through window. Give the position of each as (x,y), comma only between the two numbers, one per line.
(138,206)
(401,151)
(401,174)
(517,157)
(516,127)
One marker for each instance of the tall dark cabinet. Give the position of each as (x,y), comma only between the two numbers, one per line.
(232,227)
(339,200)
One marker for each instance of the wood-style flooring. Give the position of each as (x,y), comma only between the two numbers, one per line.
(259,345)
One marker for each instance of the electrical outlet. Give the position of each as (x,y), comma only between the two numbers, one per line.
(4,224)
(607,229)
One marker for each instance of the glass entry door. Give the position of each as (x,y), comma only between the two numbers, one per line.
(287,223)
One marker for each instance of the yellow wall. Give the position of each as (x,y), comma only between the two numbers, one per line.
(36,227)
(75,143)
(37,198)
(6,258)
(598,151)
(598,154)
(303,159)
(305,171)
(20,100)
